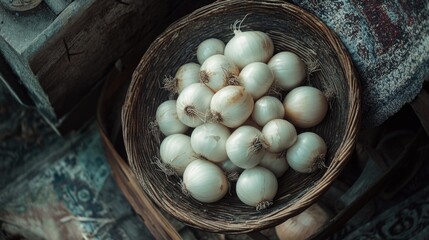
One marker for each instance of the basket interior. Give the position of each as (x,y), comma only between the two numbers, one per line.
(291,29)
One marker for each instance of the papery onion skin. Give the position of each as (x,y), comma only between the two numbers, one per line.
(209,140)
(245,147)
(256,78)
(205,181)
(267,108)
(305,106)
(256,186)
(308,153)
(208,48)
(217,71)
(176,151)
(167,119)
(193,104)
(231,106)
(303,225)
(288,69)
(187,74)
(279,135)
(249,46)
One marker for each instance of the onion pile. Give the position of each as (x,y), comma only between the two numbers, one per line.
(225,128)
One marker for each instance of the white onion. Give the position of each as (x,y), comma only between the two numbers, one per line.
(245,147)
(288,69)
(217,71)
(267,108)
(308,153)
(257,187)
(279,135)
(208,48)
(167,120)
(303,225)
(256,78)
(275,162)
(193,104)
(205,181)
(247,47)
(186,75)
(176,152)
(305,106)
(231,106)
(209,140)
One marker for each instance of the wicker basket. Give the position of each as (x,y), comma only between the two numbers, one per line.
(291,28)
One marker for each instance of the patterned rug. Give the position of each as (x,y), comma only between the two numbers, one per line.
(55,187)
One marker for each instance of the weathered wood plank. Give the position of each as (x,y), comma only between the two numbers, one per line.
(68,59)
(86,39)
(16,74)
(57,6)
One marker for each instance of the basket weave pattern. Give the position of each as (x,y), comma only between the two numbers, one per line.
(291,29)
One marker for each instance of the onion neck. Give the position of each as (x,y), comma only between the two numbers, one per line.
(190,111)
(233,81)
(258,144)
(205,77)
(319,163)
(263,205)
(171,84)
(216,117)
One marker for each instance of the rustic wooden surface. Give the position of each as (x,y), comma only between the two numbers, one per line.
(57,6)
(68,54)
(16,75)
(86,39)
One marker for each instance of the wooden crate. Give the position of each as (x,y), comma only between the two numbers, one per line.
(55,55)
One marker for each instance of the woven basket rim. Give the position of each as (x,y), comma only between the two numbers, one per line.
(342,154)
